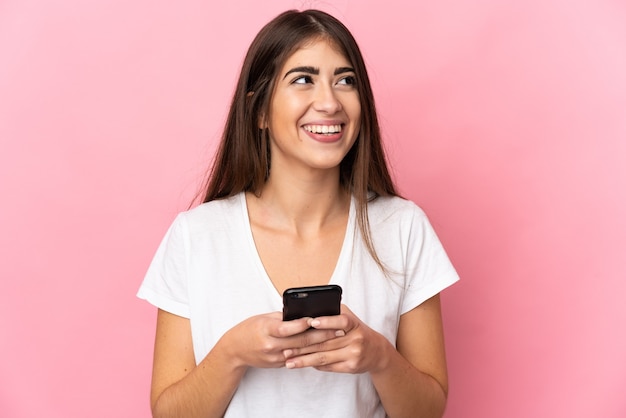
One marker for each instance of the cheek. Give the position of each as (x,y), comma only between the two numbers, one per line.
(354,108)
(357,123)
(286,110)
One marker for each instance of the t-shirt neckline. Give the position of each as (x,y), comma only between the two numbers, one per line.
(346,246)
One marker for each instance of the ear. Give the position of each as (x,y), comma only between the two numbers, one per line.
(262,121)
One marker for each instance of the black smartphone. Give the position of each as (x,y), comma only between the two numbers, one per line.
(312,301)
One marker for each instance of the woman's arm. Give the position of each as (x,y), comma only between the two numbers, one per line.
(182,389)
(410,380)
(179,388)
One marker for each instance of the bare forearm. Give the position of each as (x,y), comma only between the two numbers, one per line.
(205,392)
(407,392)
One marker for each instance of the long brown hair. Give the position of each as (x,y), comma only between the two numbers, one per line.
(243,158)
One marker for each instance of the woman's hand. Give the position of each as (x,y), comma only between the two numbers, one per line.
(179,387)
(260,341)
(356,348)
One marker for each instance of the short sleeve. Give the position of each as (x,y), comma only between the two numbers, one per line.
(166,283)
(429,270)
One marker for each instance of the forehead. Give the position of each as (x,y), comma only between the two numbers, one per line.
(319,49)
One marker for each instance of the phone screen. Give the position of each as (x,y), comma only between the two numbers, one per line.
(312,301)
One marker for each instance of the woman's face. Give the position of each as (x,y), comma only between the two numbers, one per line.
(315,113)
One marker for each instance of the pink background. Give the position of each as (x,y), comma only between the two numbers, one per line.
(504,120)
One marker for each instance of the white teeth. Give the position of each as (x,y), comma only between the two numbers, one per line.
(323,129)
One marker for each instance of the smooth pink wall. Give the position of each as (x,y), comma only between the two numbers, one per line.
(506,121)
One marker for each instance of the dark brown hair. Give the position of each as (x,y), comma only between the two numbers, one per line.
(243,158)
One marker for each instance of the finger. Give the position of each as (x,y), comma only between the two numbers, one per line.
(289,328)
(314,337)
(314,341)
(338,322)
(322,360)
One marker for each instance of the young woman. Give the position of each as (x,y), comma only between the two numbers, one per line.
(299,194)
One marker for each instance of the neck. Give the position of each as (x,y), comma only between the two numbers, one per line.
(302,204)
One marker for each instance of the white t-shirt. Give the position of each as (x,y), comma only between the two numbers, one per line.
(207,269)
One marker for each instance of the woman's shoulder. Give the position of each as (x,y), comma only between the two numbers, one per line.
(217,212)
(385,207)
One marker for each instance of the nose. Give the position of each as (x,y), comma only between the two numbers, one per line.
(326,100)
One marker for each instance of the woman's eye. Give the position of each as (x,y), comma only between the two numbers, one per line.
(349,80)
(303,80)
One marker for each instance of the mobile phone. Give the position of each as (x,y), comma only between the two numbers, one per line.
(312,301)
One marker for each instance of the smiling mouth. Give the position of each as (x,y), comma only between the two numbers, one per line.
(323,129)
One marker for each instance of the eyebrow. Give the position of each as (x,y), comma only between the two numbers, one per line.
(316,71)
